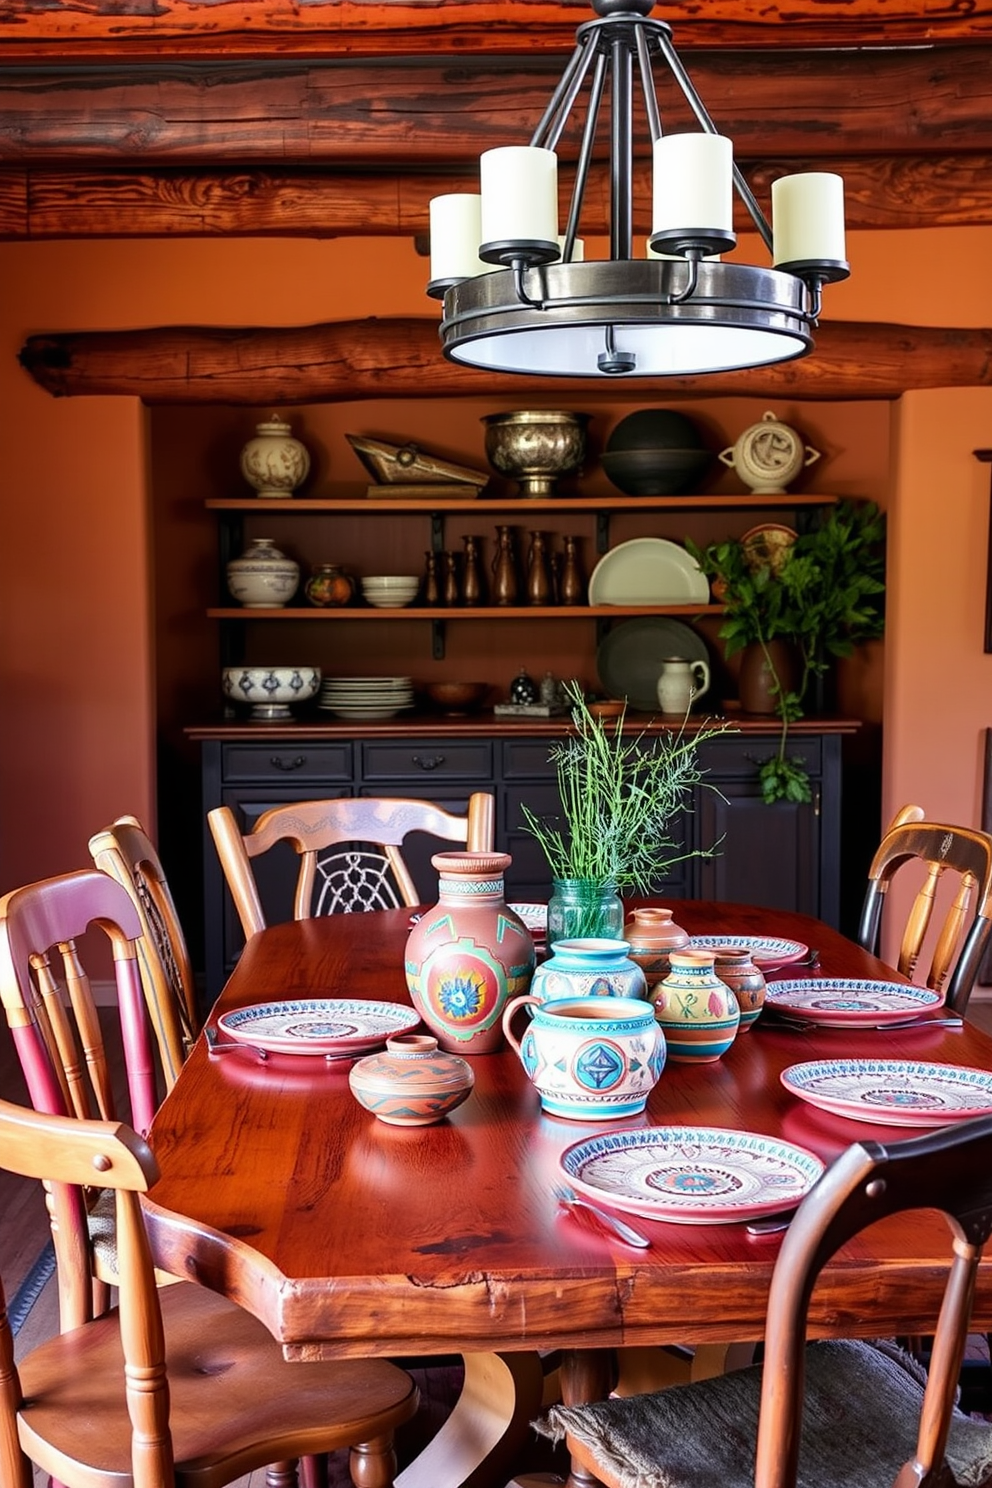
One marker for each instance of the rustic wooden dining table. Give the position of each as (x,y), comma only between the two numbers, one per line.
(348,1237)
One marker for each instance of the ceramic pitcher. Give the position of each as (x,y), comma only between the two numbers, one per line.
(680,683)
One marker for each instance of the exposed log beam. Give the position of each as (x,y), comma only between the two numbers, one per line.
(813,105)
(881,192)
(352,360)
(36,30)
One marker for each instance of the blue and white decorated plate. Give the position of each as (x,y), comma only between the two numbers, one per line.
(534,916)
(892,1092)
(845,1002)
(764,950)
(331,1025)
(691,1175)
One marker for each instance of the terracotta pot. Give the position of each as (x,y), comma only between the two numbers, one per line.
(755,681)
(469,954)
(738,971)
(652,935)
(411,1082)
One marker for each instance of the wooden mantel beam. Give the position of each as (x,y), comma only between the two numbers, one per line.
(354,360)
(85,30)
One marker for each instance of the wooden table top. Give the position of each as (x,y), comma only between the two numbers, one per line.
(347,1236)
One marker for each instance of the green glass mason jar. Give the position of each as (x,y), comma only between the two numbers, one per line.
(581,909)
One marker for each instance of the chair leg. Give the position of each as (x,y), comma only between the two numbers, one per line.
(373,1463)
(282,1474)
(313,1471)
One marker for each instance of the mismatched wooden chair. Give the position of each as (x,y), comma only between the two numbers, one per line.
(125,851)
(964,934)
(350,850)
(176,1386)
(850,1412)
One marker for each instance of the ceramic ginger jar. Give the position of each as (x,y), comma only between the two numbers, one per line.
(263,577)
(588,967)
(652,935)
(274,462)
(698,1013)
(469,954)
(739,973)
(412,1082)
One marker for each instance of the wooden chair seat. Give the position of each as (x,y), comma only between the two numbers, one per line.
(176,1385)
(865,1421)
(350,850)
(963,936)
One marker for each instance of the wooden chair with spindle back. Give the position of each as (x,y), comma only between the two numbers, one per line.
(849,1410)
(964,934)
(350,850)
(125,851)
(175,1385)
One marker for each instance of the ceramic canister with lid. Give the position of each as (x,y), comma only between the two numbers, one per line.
(274,462)
(263,577)
(412,1082)
(698,1012)
(469,954)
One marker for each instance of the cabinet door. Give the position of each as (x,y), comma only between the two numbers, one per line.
(768,855)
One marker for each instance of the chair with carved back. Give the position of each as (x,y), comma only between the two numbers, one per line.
(842,1413)
(125,851)
(176,1385)
(349,848)
(962,938)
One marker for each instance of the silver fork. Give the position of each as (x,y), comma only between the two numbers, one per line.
(622,1230)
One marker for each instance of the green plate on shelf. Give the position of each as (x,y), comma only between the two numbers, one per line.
(630,657)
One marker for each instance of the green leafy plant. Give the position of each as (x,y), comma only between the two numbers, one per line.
(824,597)
(619,794)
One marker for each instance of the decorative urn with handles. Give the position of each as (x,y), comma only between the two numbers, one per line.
(768,455)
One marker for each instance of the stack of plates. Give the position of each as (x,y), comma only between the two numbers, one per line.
(365,697)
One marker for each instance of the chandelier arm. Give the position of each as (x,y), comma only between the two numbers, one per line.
(519,288)
(585,156)
(548,131)
(647,83)
(694,101)
(678,297)
(621,151)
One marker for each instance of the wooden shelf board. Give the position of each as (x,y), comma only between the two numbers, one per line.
(461,612)
(515,504)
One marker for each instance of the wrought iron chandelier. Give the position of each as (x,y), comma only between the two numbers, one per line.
(519,297)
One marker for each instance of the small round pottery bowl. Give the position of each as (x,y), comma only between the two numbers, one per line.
(270,690)
(457,697)
(412,1082)
(768,543)
(607,707)
(391,591)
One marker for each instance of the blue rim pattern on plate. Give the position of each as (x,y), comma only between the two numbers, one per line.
(772,949)
(318,1025)
(846,1002)
(892,1092)
(691,1175)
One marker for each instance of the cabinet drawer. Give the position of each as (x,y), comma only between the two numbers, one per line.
(527,759)
(274,762)
(431,759)
(741,757)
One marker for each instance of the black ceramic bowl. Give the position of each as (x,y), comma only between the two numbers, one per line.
(656,428)
(655,472)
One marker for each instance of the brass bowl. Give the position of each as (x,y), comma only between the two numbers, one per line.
(536,447)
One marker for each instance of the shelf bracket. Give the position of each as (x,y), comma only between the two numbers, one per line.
(437,640)
(602,532)
(437,532)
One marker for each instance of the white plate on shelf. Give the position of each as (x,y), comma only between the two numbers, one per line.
(648,570)
(630,658)
(844,1002)
(691,1175)
(892,1092)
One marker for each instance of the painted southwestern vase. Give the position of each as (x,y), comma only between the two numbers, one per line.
(469,954)
(697,1011)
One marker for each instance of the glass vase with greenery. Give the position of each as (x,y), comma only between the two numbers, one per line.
(824,595)
(620,796)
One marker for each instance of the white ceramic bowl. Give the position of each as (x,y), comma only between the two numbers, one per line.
(270,690)
(390,591)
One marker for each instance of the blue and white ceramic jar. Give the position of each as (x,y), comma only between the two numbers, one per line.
(589,967)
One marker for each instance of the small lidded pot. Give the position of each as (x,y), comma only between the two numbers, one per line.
(263,577)
(652,935)
(329,586)
(274,462)
(411,1082)
(738,971)
(698,1013)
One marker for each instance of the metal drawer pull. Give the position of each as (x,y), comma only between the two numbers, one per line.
(281,764)
(429,762)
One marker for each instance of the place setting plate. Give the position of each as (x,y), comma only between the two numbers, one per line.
(845,1002)
(691,1175)
(326,1026)
(534,916)
(892,1092)
(765,950)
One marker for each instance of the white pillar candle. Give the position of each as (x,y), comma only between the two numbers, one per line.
(578,249)
(808,217)
(519,194)
(693,182)
(456,225)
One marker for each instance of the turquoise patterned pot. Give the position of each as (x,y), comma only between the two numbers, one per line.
(589,968)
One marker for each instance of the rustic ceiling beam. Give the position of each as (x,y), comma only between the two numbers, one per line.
(83,30)
(401,358)
(780,104)
(881,191)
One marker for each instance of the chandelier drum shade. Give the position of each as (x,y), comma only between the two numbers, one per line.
(521,296)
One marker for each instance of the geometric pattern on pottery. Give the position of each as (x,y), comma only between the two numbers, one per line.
(472,888)
(444,923)
(462,986)
(598,1066)
(553,985)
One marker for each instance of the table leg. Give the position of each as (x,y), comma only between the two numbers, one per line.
(488,1428)
(585,1374)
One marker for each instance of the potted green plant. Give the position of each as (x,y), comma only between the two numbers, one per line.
(620,794)
(824,595)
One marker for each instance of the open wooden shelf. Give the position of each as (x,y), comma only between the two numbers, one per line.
(464,612)
(523,505)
